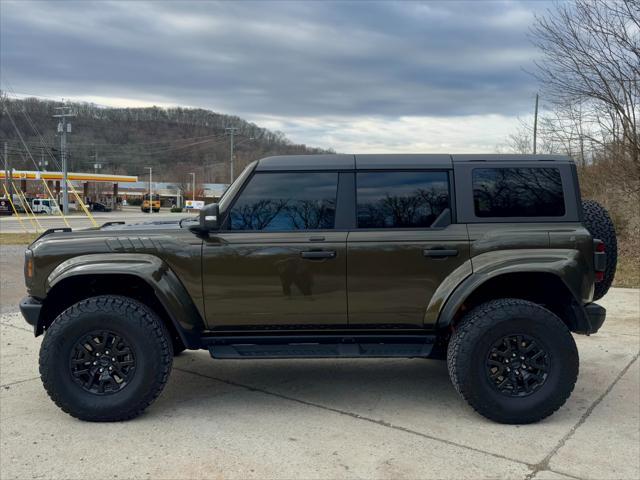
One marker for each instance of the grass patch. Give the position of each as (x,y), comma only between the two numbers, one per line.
(17,238)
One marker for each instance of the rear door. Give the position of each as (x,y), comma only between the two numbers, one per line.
(403,247)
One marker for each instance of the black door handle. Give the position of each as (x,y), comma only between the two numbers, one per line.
(440,252)
(318,254)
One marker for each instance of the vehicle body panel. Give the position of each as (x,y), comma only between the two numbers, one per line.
(507,248)
(391,281)
(535,242)
(260,279)
(167,259)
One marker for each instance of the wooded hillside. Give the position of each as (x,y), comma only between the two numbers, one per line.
(174,141)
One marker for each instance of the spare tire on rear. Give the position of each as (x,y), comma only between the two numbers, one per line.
(600,226)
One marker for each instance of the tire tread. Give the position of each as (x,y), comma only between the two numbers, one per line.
(461,345)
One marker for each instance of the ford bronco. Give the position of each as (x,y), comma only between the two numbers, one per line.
(487,261)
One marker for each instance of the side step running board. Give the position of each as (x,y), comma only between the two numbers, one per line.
(369,346)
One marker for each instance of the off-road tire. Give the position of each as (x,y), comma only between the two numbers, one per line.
(600,226)
(132,320)
(486,324)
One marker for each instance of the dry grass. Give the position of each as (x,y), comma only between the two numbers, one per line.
(628,270)
(615,183)
(17,238)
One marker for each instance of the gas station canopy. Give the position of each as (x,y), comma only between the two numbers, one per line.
(72,176)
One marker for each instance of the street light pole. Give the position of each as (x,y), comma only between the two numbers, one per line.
(150,189)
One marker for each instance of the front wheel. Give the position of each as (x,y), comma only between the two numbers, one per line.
(513,361)
(105,358)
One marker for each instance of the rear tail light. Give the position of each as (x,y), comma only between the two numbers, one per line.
(599,259)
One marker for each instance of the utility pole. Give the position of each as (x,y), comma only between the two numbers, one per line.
(6,168)
(150,189)
(231,131)
(63,128)
(193,186)
(535,127)
(97,167)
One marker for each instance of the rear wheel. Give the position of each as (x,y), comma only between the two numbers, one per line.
(600,226)
(105,358)
(513,361)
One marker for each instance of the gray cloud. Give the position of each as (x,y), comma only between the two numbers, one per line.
(283,59)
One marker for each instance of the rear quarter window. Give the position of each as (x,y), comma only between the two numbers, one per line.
(518,192)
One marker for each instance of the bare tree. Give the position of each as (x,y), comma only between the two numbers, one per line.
(590,71)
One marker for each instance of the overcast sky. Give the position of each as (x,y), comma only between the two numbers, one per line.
(353,76)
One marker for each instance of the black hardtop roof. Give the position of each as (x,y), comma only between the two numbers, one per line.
(392,161)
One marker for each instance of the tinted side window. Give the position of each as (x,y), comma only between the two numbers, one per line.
(401,199)
(518,192)
(286,201)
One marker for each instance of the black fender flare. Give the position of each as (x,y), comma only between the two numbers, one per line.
(561,263)
(155,272)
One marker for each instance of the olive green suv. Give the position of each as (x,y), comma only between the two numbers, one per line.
(487,261)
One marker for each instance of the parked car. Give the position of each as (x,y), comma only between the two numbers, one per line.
(46,205)
(487,261)
(5,207)
(100,207)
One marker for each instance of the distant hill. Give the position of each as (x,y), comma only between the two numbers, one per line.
(174,141)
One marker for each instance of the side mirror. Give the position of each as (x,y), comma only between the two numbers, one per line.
(209,217)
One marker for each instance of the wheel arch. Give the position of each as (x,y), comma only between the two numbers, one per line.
(539,286)
(149,281)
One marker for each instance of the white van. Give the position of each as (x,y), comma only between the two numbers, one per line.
(44,205)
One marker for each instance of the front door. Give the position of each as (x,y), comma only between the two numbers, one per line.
(278,262)
(403,248)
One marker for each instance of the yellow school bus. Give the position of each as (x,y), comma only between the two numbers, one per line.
(154,204)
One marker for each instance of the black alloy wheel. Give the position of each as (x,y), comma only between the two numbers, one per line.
(517,365)
(102,362)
